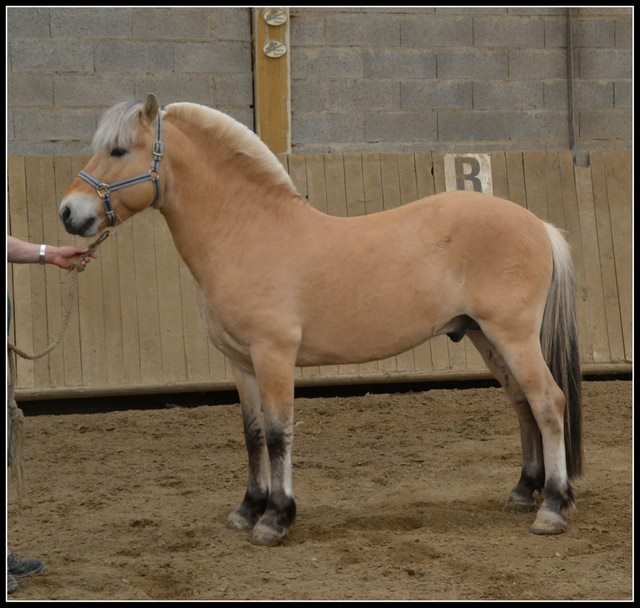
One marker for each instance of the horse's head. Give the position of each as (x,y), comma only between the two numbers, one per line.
(122,177)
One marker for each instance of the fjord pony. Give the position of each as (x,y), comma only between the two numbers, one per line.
(285,285)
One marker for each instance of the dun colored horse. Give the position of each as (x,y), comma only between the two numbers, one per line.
(285,285)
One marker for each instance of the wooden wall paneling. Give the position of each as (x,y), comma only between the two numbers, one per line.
(499,176)
(372,181)
(92,322)
(619,191)
(534,164)
(113,335)
(515,175)
(147,292)
(424,174)
(70,346)
(553,187)
(120,249)
(607,262)
(407,177)
(172,332)
(354,183)
(334,170)
(596,335)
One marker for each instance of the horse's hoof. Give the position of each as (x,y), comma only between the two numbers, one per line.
(549,523)
(267,537)
(236,521)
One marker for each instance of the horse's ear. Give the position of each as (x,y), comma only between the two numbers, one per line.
(151,107)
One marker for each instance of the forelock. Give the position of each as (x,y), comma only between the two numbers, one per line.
(118,126)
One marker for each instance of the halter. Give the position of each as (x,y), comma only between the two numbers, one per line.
(104,190)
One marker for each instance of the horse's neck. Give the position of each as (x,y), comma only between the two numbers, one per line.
(217,215)
(219,200)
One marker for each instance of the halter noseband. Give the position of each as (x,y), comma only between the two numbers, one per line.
(104,190)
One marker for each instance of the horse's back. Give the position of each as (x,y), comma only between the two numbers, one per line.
(467,206)
(417,267)
(458,225)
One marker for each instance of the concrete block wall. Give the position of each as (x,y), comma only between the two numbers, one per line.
(66,65)
(458,79)
(387,79)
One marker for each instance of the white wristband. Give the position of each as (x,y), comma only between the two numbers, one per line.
(43,251)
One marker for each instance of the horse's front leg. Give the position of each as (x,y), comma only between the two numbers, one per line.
(274,367)
(254,503)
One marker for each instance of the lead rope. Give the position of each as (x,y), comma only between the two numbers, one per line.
(15,413)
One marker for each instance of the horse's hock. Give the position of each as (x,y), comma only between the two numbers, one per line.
(136,326)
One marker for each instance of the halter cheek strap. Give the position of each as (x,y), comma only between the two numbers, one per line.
(104,190)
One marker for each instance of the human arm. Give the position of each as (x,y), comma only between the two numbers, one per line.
(63,256)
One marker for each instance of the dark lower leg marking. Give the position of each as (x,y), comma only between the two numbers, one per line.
(528,484)
(522,494)
(254,503)
(281,507)
(558,498)
(280,513)
(251,508)
(254,440)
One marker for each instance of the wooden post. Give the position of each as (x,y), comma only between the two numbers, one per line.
(271,74)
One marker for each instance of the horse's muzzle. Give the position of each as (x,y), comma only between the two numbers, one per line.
(83,226)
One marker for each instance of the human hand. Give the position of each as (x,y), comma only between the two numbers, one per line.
(70,256)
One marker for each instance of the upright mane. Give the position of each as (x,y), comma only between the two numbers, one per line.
(237,137)
(118,129)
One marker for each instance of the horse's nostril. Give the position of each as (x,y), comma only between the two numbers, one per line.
(65,213)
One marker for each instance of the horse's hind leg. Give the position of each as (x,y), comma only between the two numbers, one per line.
(523,356)
(532,472)
(245,516)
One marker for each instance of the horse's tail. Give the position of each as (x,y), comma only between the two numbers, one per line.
(559,340)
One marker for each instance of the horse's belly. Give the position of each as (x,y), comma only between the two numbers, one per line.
(359,343)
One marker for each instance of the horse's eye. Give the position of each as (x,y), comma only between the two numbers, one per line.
(118,152)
